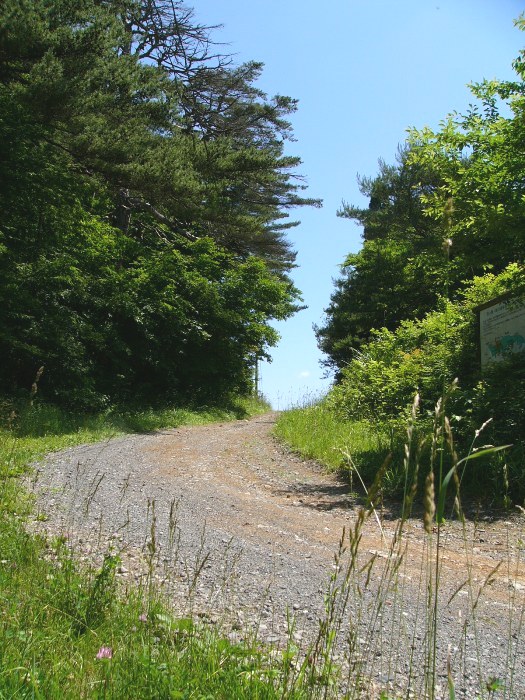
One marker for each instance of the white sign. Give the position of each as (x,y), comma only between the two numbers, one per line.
(502,330)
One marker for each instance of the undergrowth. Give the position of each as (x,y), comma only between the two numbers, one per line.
(66,634)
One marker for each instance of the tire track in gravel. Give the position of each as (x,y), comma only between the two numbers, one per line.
(261,525)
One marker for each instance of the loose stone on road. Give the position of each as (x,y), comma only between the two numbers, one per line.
(258,524)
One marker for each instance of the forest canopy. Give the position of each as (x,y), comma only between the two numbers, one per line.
(145,195)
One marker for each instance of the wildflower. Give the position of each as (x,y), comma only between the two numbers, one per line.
(105,653)
(143,617)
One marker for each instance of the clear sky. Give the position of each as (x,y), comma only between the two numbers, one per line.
(363,72)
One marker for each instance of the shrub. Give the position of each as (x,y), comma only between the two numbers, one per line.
(425,356)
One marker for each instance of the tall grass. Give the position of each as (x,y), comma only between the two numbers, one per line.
(316,433)
(66,634)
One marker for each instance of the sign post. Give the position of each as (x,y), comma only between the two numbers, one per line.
(501,329)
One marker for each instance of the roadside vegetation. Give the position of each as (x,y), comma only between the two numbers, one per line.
(363,417)
(143,258)
(442,235)
(316,433)
(70,630)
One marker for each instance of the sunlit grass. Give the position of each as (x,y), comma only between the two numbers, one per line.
(315,433)
(66,634)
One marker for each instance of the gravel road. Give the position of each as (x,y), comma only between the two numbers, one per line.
(242,531)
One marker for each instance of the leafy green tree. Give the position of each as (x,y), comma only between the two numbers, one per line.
(400,271)
(482,193)
(142,242)
(464,183)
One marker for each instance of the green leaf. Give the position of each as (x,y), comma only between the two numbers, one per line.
(483,453)
(442,494)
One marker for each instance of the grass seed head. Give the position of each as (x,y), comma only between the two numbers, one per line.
(429,502)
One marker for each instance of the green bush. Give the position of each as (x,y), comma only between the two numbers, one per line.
(420,356)
(425,356)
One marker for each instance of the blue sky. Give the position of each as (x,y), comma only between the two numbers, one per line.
(363,71)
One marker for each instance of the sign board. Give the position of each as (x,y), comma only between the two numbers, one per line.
(501,329)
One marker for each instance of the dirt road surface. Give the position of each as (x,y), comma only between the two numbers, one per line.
(244,534)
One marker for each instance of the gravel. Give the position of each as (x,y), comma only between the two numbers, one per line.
(243,534)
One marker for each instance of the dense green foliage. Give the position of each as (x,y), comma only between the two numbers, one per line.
(398,273)
(465,183)
(443,234)
(144,186)
(423,355)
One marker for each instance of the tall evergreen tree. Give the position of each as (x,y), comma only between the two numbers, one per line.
(144,190)
(398,273)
